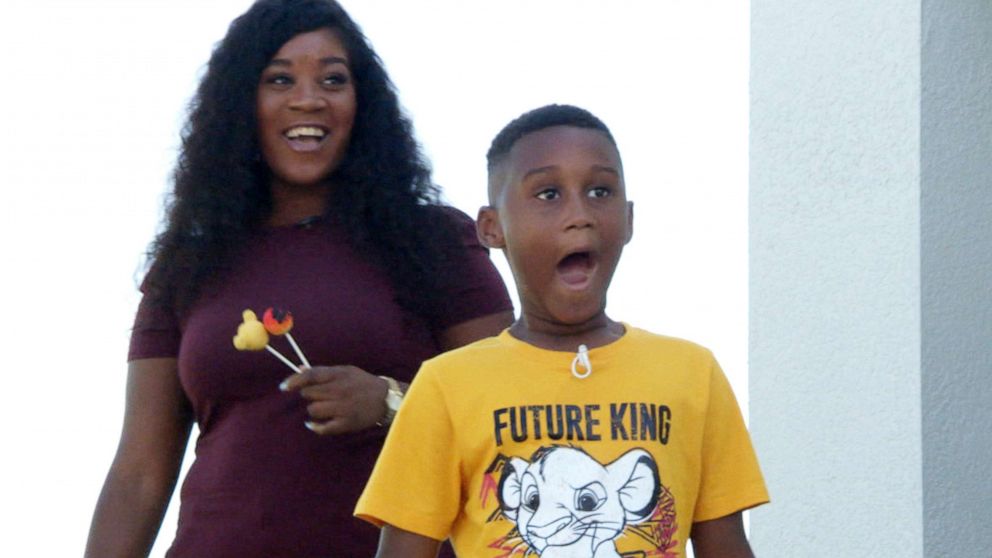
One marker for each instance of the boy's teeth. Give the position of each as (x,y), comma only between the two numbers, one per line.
(304,131)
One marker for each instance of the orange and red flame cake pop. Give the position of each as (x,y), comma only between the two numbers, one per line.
(278,322)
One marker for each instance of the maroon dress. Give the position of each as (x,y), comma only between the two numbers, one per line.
(263,485)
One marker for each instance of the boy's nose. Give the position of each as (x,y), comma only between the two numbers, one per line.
(578,214)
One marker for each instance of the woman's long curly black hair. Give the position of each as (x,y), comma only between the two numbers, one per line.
(383,191)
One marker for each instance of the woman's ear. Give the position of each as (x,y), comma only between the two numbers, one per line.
(489,229)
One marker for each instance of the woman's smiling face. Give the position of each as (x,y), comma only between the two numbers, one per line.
(306,106)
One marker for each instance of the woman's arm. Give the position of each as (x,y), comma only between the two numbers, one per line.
(720,538)
(397,543)
(345,398)
(157,422)
(475,329)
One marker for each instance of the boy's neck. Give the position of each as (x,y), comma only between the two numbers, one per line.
(593,333)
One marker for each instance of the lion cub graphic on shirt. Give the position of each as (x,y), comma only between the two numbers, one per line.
(566,504)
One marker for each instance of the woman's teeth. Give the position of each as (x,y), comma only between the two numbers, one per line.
(305,132)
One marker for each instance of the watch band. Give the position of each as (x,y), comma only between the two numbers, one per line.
(394,398)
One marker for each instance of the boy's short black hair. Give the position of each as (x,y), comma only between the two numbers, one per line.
(539,119)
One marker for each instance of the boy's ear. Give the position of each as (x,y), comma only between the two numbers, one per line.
(489,229)
(630,221)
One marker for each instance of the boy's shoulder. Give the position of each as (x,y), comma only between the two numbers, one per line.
(485,348)
(504,346)
(668,343)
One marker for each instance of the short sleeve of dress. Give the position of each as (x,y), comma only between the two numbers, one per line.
(731,480)
(156,331)
(415,484)
(478,290)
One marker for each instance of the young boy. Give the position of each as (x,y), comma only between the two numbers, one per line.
(569,434)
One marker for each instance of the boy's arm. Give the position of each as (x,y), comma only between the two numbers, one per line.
(720,538)
(397,543)
(415,486)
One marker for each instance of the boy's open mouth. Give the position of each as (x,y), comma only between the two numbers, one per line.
(575,268)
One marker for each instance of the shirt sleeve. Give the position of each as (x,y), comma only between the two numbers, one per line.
(156,331)
(731,479)
(416,482)
(477,288)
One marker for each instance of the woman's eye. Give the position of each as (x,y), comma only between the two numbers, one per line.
(279,79)
(599,192)
(548,194)
(336,79)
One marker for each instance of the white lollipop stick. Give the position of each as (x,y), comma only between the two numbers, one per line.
(284,360)
(296,348)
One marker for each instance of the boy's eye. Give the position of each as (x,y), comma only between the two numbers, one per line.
(599,192)
(548,194)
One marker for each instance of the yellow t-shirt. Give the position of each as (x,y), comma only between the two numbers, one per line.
(500,447)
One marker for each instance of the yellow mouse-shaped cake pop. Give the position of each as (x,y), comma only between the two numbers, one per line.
(251,333)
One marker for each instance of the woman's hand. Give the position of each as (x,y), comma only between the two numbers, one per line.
(341,398)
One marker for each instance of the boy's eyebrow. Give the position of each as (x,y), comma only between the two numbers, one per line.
(597,168)
(604,168)
(324,61)
(539,170)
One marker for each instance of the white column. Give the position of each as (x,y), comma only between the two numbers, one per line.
(956,277)
(871,276)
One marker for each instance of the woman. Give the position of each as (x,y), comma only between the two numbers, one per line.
(299,186)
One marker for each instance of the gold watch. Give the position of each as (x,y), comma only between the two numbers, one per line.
(394,398)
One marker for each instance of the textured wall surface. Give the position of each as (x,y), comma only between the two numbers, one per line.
(871,277)
(835,277)
(956,256)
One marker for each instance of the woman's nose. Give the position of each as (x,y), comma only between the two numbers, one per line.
(308,99)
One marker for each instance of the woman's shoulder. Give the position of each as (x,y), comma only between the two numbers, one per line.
(448,212)
(461,222)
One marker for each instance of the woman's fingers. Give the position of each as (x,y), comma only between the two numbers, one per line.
(330,427)
(340,398)
(315,376)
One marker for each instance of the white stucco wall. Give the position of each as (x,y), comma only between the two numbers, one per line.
(835,284)
(956,257)
(871,277)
